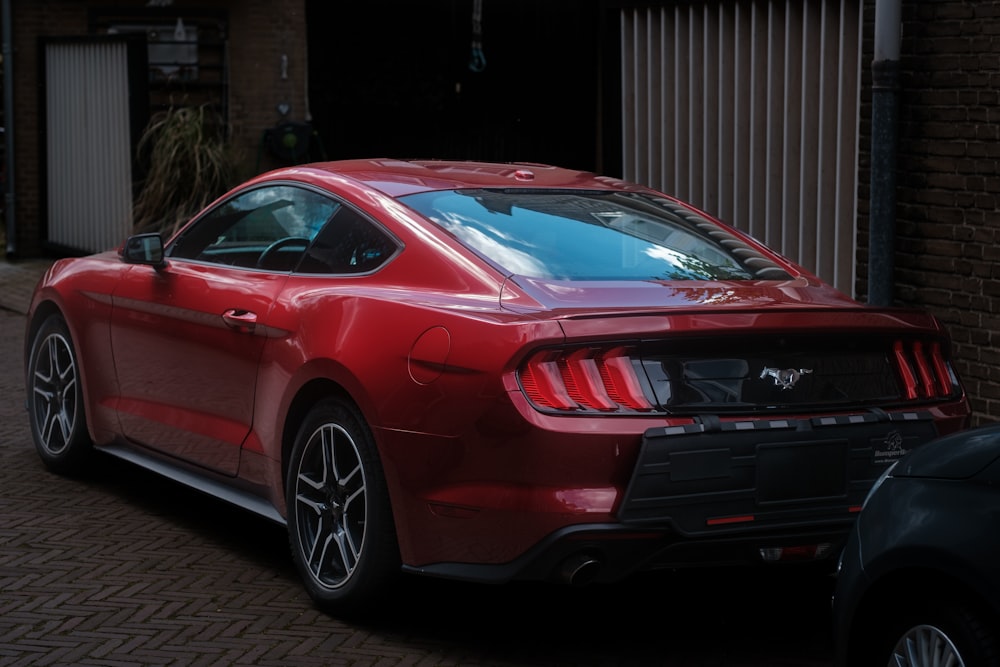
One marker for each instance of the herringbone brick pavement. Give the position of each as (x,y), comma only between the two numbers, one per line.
(119,568)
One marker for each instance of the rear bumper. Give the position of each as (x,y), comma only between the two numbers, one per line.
(723,493)
(606,553)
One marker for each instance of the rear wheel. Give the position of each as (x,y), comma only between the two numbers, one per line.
(340,522)
(55,399)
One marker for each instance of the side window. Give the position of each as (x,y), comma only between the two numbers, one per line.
(349,244)
(267,228)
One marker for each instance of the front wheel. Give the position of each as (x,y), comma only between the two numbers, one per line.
(55,399)
(340,524)
(943,634)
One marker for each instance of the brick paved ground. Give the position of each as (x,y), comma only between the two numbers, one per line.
(17,281)
(120,568)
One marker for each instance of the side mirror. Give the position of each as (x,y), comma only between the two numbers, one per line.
(144,249)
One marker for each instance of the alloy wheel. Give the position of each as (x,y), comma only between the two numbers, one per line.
(331,506)
(54,388)
(925,646)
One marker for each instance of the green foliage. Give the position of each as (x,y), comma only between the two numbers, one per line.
(190,164)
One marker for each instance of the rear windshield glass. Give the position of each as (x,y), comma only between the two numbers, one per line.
(593,235)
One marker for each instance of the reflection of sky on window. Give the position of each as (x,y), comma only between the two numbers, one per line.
(493,243)
(660,253)
(528,234)
(300,212)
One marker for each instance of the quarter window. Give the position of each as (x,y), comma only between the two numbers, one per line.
(351,243)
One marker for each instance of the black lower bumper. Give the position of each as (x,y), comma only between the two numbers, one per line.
(717,478)
(606,553)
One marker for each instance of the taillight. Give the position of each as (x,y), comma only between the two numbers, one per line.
(620,379)
(942,371)
(542,382)
(923,370)
(589,379)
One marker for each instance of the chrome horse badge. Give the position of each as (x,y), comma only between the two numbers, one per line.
(785,379)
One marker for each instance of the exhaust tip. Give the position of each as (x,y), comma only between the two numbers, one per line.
(579,569)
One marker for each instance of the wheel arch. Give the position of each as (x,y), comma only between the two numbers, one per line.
(42,311)
(306,397)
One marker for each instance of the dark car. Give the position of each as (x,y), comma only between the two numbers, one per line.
(485,371)
(919,579)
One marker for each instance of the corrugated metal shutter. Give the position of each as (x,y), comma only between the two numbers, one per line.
(749,110)
(88,145)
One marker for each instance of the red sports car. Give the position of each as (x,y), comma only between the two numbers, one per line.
(484,371)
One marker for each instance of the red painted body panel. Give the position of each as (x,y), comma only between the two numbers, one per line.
(427,347)
(186,378)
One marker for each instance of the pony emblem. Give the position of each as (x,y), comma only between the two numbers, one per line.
(785,379)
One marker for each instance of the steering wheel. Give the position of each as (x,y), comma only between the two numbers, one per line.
(279,244)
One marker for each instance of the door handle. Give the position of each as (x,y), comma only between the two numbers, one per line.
(242,321)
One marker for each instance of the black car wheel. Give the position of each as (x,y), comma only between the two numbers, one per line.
(55,399)
(946,634)
(339,520)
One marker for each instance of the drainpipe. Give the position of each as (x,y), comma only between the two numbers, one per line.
(8,130)
(885,104)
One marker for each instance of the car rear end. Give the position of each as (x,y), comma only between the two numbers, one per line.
(741,407)
(760,432)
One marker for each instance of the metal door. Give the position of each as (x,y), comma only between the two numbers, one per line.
(94,106)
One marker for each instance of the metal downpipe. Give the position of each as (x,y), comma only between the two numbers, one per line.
(8,130)
(885,133)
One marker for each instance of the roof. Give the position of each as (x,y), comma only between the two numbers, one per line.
(402,177)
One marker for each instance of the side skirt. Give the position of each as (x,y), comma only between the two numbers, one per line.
(197,481)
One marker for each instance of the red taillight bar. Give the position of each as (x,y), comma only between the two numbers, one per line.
(927,384)
(909,380)
(542,382)
(923,369)
(586,379)
(941,370)
(620,379)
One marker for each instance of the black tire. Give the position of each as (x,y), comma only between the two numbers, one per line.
(936,633)
(340,523)
(55,399)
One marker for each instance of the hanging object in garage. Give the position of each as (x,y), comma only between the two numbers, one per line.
(291,143)
(477,63)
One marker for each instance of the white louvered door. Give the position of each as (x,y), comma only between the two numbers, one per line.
(749,110)
(88,157)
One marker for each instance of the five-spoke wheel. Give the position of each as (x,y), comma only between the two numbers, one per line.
(55,398)
(339,521)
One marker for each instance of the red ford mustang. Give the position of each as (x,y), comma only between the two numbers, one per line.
(484,371)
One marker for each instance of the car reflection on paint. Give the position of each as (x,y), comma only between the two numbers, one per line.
(487,372)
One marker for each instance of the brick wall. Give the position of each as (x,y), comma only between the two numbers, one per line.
(948,219)
(260,31)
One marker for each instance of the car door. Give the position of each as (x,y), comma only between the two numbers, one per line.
(187,338)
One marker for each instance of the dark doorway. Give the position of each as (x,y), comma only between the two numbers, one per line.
(392,79)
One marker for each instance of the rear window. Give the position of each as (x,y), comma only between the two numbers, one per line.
(593,235)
